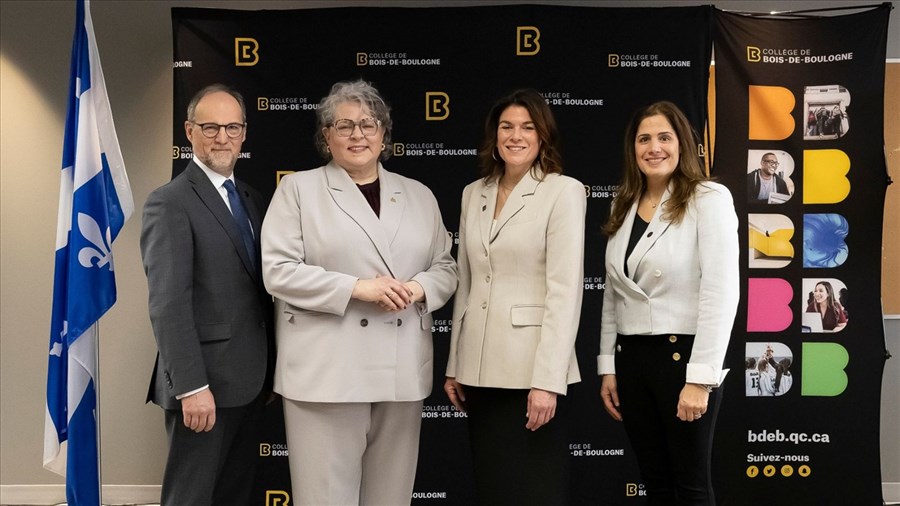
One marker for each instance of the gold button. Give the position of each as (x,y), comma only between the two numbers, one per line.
(673,339)
(676,356)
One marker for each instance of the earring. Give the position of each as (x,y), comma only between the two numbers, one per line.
(383,147)
(494,155)
(327,148)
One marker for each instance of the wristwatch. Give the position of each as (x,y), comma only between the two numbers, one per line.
(709,388)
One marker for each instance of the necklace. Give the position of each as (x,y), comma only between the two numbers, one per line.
(652,204)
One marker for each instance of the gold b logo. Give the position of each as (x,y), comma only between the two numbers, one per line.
(277,498)
(246,52)
(262,103)
(527,40)
(613,60)
(437,106)
(753,54)
(399,149)
(362,59)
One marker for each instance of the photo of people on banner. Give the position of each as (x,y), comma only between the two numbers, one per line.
(826,112)
(767,369)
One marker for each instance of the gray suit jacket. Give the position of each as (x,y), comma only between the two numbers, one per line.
(208,307)
(319,237)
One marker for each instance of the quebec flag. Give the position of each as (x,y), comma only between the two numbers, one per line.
(94,203)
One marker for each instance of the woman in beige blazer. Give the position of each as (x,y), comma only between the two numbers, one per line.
(669,303)
(357,258)
(515,316)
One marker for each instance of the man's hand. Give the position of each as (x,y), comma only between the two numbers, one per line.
(199,411)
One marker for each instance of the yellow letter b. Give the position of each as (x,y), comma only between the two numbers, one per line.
(824,176)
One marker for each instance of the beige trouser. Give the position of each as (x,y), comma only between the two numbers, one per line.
(349,453)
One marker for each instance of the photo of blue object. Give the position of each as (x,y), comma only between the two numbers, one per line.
(823,240)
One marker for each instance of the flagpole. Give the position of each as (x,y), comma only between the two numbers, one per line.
(97,389)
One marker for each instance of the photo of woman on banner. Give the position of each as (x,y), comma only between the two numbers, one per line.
(516,313)
(824,310)
(672,290)
(357,259)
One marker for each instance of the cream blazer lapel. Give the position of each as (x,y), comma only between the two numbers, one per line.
(655,229)
(486,217)
(348,197)
(393,203)
(514,203)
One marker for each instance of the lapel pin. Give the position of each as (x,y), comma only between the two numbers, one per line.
(393,199)
(484,208)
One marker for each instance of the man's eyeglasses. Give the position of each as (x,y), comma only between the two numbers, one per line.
(345,127)
(211,130)
(771,162)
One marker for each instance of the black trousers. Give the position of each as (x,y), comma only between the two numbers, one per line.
(514,465)
(216,467)
(674,456)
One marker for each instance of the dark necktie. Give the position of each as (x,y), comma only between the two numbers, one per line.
(241,219)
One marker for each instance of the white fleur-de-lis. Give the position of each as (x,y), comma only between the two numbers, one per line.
(56,349)
(101,255)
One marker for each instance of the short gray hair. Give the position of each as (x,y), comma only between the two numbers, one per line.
(214,88)
(361,92)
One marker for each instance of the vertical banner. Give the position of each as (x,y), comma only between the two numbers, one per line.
(440,69)
(799,140)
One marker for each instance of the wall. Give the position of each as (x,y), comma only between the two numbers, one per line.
(135,43)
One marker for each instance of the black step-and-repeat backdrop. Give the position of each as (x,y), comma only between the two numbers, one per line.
(441,69)
(800,103)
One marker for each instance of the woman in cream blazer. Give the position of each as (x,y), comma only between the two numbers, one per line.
(669,303)
(357,258)
(516,312)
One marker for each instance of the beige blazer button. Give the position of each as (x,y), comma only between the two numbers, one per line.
(399,322)
(657,273)
(484,305)
(487,279)
(676,356)
(363,322)
(673,339)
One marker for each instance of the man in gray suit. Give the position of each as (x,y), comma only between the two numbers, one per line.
(210,313)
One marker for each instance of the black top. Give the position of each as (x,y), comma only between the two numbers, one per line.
(637,230)
(372,193)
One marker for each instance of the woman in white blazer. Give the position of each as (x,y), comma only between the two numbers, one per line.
(357,258)
(669,304)
(515,315)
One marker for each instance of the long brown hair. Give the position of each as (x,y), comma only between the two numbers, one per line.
(492,166)
(684,181)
